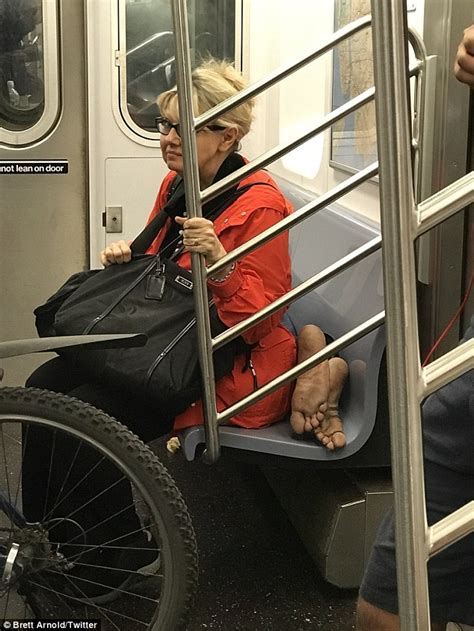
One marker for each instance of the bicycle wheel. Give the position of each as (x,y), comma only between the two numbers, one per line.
(91,524)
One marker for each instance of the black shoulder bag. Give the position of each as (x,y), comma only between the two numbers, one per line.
(150,295)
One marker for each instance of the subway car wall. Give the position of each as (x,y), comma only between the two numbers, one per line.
(79,82)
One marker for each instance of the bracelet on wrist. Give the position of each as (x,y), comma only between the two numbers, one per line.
(224,278)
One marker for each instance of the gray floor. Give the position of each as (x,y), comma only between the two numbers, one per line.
(255,573)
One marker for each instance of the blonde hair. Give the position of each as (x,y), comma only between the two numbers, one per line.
(213,81)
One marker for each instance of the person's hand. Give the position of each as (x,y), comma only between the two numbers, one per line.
(199,236)
(464,64)
(118,252)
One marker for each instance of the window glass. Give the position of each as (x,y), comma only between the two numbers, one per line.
(150,66)
(21,64)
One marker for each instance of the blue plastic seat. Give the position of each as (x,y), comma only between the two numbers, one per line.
(336,307)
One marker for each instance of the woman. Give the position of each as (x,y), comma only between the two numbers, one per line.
(251,283)
(239,290)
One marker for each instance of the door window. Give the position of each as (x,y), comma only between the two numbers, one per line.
(27,64)
(149,67)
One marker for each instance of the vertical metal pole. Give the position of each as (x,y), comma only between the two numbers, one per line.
(193,204)
(398,218)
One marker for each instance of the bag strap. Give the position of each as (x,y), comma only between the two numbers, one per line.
(142,242)
(176,201)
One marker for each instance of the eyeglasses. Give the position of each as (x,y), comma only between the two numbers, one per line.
(164,126)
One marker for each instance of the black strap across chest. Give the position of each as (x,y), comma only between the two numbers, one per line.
(176,205)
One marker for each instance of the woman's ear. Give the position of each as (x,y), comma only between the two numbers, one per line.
(230,137)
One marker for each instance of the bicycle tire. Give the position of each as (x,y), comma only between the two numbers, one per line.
(78,420)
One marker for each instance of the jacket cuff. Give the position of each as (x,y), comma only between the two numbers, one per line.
(228,287)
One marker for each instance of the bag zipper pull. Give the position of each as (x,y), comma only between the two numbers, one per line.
(161,281)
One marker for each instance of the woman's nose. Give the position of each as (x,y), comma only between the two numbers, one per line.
(173,135)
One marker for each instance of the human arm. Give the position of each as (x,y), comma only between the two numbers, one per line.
(464,64)
(257,279)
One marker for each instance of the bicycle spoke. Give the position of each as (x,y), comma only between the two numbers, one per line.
(7,477)
(94,482)
(104,521)
(83,479)
(76,510)
(6,604)
(24,443)
(106,544)
(65,481)
(63,601)
(118,569)
(109,587)
(50,472)
(54,591)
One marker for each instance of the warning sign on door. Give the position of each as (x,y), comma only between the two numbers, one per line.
(33,167)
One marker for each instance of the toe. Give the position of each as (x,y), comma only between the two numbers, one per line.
(297,422)
(338,440)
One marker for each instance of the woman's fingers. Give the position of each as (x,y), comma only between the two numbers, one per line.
(199,236)
(118,252)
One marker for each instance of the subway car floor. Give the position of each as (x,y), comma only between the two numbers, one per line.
(255,573)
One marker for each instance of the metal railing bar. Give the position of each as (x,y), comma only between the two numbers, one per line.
(192,191)
(331,349)
(303,288)
(280,150)
(451,528)
(445,203)
(288,69)
(283,72)
(451,365)
(403,362)
(296,217)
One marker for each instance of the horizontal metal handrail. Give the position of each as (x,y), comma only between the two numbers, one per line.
(451,528)
(451,365)
(290,375)
(296,217)
(303,288)
(189,126)
(280,150)
(444,203)
(283,72)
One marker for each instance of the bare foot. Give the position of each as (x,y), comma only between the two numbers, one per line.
(310,398)
(330,432)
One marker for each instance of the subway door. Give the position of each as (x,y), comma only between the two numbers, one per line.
(43,166)
(131,61)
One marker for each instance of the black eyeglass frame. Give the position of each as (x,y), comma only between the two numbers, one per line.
(160,120)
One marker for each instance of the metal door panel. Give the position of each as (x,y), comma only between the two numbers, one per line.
(43,234)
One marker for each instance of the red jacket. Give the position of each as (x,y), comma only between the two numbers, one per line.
(258,279)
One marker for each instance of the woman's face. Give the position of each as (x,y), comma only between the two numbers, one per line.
(213,146)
